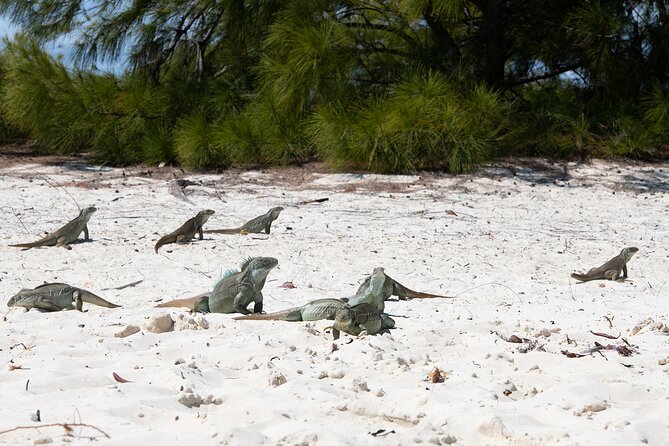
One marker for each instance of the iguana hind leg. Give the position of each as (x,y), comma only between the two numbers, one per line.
(612,274)
(62,242)
(78,301)
(182,239)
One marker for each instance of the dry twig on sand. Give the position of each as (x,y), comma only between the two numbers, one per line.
(67,426)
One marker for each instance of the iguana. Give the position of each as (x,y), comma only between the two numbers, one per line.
(56,297)
(326,308)
(65,235)
(313,311)
(235,291)
(391,287)
(186,231)
(373,291)
(612,269)
(356,319)
(254,226)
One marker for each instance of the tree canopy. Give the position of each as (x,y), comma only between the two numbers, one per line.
(381,85)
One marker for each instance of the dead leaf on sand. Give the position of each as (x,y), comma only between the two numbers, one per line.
(119,379)
(437,376)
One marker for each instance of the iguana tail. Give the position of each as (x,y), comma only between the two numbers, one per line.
(169,238)
(26,245)
(292,315)
(196,303)
(403,292)
(418,295)
(581,277)
(224,231)
(90,298)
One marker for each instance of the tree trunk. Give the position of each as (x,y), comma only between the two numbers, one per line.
(495,49)
(450,56)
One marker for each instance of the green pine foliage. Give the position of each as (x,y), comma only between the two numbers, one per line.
(374,85)
(40,97)
(194,143)
(428,122)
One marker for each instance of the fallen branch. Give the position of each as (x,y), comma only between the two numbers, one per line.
(604,335)
(31,344)
(569,354)
(67,426)
(317,200)
(127,285)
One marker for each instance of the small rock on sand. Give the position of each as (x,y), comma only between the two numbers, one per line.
(127,331)
(160,323)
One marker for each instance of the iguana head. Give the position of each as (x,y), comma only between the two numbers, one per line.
(87,212)
(274,212)
(628,252)
(344,317)
(259,266)
(12,301)
(16,299)
(204,215)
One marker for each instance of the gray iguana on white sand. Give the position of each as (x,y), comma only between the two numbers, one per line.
(364,311)
(187,231)
(612,269)
(56,297)
(254,226)
(392,287)
(234,291)
(357,319)
(65,235)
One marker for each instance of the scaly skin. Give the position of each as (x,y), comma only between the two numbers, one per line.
(313,311)
(356,319)
(57,297)
(612,269)
(65,235)
(186,231)
(374,291)
(391,287)
(235,291)
(254,226)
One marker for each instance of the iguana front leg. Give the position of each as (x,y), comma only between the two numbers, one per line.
(268,227)
(201,232)
(241,302)
(624,272)
(47,304)
(86,237)
(387,321)
(257,307)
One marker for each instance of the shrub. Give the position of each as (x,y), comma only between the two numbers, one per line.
(427,122)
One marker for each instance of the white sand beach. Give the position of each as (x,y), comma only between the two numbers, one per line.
(504,241)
